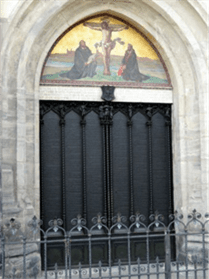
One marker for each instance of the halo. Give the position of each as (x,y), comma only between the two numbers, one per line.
(105,19)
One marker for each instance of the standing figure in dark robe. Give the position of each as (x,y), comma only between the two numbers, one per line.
(130,68)
(84,63)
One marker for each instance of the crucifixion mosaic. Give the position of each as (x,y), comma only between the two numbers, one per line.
(105,51)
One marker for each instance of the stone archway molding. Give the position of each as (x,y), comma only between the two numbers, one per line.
(179,30)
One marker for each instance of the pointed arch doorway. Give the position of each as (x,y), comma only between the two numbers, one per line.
(105,157)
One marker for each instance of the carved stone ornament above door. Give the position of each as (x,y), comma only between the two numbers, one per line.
(108,93)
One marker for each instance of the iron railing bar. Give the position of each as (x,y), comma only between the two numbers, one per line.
(147,255)
(131,236)
(129,256)
(195,270)
(188,270)
(66,255)
(56,271)
(3,256)
(80,270)
(69,258)
(144,236)
(132,275)
(167,256)
(109,255)
(158,273)
(151,273)
(90,258)
(119,268)
(186,256)
(45,256)
(182,234)
(122,276)
(157,267)
(155,273)
(24,257)
(103,238)
(139,268)
(99,238)
(203,252)
(116,238)
(177,264)
(100,269)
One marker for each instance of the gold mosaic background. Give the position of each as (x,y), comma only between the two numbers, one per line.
(71,40)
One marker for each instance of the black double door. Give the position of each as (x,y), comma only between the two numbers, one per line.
(104,157)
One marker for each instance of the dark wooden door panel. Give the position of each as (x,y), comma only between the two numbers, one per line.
(51,160)
(109,158)
(73,170)
(120,165)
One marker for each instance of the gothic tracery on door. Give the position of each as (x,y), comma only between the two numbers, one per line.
(104,157)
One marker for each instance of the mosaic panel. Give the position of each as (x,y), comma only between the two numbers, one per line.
(105,51)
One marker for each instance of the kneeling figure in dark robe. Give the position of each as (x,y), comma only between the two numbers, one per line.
(130,66)
(84,63)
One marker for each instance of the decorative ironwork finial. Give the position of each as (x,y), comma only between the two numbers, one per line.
(194,215)
(176,216)
(35,224)
(55,224)
(99,220)
(156,218)
(138,219)
(119,220)
(79,222)
(12,226)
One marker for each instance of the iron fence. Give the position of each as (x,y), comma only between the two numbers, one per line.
(184,245)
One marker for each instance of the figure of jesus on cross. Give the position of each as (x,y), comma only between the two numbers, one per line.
(107,44)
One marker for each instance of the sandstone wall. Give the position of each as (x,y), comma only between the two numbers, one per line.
(179,29)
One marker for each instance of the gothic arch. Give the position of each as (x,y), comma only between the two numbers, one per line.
(182,42)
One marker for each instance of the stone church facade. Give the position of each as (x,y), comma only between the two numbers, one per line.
(179,30)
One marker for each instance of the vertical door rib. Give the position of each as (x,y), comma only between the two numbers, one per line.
(111,171)
(129,123)
(106,116)
(104,169)
(83,124)
(62,124)
(149,125)
(168,128)
(42,163)
(108,177)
